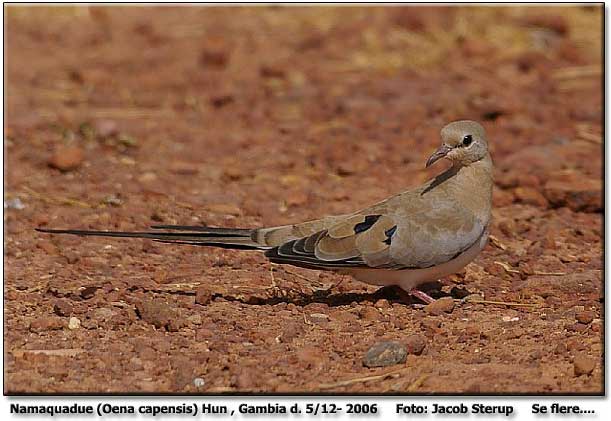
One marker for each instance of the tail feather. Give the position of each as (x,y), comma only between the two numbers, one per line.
(199,236)
(225,232)
(216,243)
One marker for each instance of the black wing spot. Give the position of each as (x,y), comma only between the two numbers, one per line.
(389,233)
(368,223)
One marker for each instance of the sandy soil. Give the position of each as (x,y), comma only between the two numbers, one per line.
(119,118)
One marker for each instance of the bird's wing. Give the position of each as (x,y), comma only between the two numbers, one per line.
(433,231)
(406,231)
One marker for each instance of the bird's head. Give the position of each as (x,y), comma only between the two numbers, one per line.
(462,142)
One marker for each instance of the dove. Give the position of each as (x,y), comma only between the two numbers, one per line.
(405,241)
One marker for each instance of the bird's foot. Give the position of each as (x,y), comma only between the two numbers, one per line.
(408,297)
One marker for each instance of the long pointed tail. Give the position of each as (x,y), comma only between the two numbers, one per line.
(233,238)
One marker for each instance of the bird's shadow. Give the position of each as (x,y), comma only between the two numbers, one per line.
(392,294)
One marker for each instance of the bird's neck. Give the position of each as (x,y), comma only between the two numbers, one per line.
(474,183)
(469,184)
(459,174)
(484,165)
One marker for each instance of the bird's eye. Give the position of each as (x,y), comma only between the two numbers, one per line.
(466,141)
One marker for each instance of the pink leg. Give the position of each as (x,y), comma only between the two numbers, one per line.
(422,296)
(408,297)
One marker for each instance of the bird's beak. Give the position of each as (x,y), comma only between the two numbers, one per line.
(439,153)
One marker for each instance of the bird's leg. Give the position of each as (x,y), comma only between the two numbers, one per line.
(408,296)
(421,295)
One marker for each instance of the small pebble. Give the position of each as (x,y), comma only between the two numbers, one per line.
(215,57)
(398,322)
(74,323)
(46,323)
(113,200)
(369,313)
(431,325)
(224,209)
(472,330)
(62,308)
(105,128)
(575,344)
(15,203)
(585,317)
(71,257)
(160,314)
(147,176)
(415,344)
(47,246)
(195,319)
(596,326)
(474,297)
(102,314)
(203,296)
(582,364)
(384,354)
(245,380)
(578,327)
(440,306)
(88,292)
(515,333)
(382,303)
(560,349)
(127,140)
(67,158)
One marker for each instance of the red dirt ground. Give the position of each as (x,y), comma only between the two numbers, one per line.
(117,118)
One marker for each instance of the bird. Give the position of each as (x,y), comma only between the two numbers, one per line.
(410,239)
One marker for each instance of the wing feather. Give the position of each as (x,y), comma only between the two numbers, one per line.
(405,231)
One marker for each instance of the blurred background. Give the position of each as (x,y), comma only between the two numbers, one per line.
(119,117)
(247,93)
